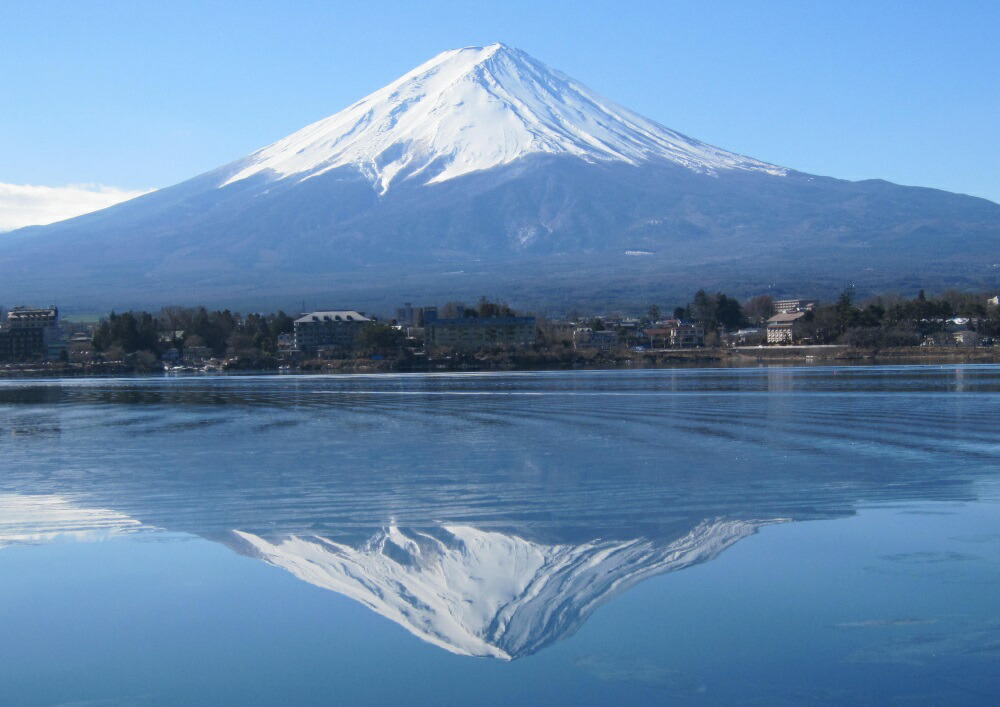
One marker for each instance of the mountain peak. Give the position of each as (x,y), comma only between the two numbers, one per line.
(469,57)
(485,593)
(472,109)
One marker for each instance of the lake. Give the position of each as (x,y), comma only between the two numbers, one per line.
(699,536)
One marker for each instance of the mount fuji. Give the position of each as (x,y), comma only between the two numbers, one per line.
(471,591)
(483,593)
(485,171)
(474,109)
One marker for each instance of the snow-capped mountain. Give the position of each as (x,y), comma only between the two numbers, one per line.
(477,108)
(485,171)
(485,593)
(468,590)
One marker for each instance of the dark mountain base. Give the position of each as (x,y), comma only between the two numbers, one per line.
(544,232)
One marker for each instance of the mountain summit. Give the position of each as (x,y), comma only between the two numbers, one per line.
(486,593)
(473,109)
(485,171)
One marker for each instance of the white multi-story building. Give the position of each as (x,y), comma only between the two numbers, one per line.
(789,306)
(328,330)
(784,328)
(31,333)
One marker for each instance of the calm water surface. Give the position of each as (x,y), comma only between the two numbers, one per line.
(728,536)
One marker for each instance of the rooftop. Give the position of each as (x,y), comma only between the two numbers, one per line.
(337,315)
(786,318)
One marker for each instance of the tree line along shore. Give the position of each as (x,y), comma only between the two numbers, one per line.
(716,329)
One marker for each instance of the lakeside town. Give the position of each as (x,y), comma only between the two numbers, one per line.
(491,335)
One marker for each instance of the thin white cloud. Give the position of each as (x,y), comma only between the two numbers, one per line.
(26,205)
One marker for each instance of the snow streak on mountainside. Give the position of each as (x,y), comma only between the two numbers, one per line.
(472,109)
(44,518)
(483,593)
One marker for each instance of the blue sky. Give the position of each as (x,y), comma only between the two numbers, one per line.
(143,95)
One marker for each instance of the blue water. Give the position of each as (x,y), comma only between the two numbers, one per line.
(751,536)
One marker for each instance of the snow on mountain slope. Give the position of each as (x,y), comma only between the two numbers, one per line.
(485,593)
(44,518)
(472,109)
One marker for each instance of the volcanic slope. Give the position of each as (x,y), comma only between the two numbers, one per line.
(484,170)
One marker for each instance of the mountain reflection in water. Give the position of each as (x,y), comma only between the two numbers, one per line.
(485,593)
(487,514)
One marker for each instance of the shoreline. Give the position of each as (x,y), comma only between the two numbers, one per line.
(740,357)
